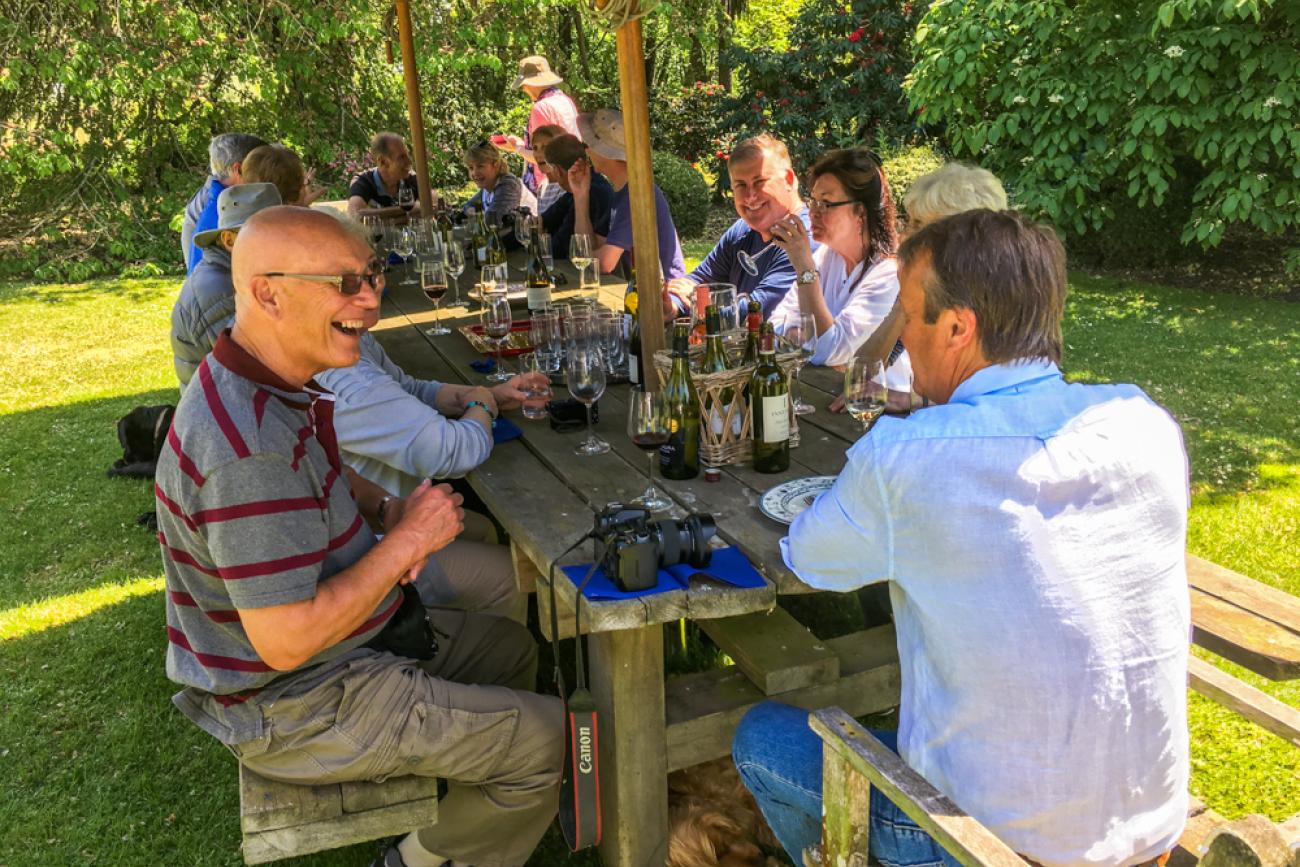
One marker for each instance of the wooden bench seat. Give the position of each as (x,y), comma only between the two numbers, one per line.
(281,820)
(1240,619)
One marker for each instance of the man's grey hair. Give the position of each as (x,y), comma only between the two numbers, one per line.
(229,148)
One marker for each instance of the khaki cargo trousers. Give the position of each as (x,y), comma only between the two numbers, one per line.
(465,716)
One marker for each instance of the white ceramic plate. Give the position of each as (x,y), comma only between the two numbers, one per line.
(784,502)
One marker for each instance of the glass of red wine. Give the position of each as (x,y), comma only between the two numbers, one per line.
(648,426)
(433,281)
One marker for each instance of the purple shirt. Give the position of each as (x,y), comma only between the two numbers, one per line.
(671,263)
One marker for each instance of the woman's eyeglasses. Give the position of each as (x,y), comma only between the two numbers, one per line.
(821,206)
(346,284)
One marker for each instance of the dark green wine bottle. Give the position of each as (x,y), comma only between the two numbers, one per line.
(635,360)
(753,322)
(478,238)
(770,406)
(537,278)
(679,458)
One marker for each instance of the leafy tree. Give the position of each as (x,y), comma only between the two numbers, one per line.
(838,84)
(1186,108)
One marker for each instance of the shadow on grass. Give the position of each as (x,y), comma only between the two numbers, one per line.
(70,527)
(132,289)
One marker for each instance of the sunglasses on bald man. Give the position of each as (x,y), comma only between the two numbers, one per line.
(346,284)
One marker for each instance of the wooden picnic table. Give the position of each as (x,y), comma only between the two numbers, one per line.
(545,496)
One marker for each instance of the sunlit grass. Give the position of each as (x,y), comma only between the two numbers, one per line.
(26,619)
(99,768)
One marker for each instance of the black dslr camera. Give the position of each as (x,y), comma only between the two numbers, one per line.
(636,548)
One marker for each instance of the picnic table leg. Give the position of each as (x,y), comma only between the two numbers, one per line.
(627,683)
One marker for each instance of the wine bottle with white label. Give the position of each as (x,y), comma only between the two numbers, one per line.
(770,406)
(537,278)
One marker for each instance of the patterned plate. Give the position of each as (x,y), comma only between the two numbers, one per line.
(786,501)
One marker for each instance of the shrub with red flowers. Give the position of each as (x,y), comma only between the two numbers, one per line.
(838,84)
(687,121)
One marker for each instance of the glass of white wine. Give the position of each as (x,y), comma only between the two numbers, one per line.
(582,252)
(866,391)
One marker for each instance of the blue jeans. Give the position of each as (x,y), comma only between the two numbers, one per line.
(780,760)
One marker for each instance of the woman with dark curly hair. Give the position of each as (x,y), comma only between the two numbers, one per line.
(849,284)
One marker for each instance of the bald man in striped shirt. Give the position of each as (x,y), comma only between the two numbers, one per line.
(281,602)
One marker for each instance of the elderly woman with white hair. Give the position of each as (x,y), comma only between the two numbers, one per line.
(950,189)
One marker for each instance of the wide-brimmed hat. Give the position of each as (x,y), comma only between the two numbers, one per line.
(536,71)
(235,205)
(602,131)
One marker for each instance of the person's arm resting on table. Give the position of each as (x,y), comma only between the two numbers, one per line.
(844,540)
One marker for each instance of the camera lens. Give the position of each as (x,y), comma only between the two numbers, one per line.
(684,541)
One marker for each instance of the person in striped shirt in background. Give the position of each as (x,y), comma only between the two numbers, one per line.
(281,601)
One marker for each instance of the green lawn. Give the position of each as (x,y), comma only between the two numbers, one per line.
(98,768)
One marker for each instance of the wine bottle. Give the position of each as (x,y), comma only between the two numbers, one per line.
(478,238)
(715,361)
(770,408)
(635,372)
(753,322)
(537,278)
(679,458)
(495,251)
(445,227)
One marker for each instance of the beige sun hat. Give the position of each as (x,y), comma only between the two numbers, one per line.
(235,205)
(602,130)
(535,71)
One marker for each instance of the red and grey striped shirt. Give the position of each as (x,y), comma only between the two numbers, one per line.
(253,511)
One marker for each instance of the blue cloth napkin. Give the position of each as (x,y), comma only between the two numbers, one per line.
(505,430)
(486,365)
(728,566)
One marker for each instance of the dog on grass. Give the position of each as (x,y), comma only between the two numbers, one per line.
(714,821)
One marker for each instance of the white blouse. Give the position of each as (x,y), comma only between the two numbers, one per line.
(858,302)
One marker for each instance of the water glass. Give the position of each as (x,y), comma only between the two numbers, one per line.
(537,392)
(546,340)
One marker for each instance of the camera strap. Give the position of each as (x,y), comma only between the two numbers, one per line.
(580,818)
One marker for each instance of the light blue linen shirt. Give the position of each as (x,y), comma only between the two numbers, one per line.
(388,429)
(1033,532)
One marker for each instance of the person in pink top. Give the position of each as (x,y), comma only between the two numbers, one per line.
(551,106)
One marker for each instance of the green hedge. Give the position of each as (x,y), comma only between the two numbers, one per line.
(686,191)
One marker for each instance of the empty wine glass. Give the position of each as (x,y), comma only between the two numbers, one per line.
(802,336)
(584,373)
(455,258)
(865,391)
(404,246)
(750,262)
(433,282)
(496,324)
(648,425)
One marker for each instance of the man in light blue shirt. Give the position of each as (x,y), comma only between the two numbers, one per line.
(1032,533)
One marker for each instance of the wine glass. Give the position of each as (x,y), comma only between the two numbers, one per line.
(750,262)
(648,426)
(865,391)
(584,374)
(802,336)
(405,198)
(496,323)
(404,246)
(433,281)
(523,227)
(582,249)
(547,342)
(548,255)
(538,391)
(455,259)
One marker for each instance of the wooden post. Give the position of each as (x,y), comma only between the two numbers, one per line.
(645,234)
(627,683)
(412,76)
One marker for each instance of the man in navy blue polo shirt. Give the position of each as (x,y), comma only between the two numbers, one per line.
(766,190)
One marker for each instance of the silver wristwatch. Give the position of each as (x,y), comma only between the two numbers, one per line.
(807,277)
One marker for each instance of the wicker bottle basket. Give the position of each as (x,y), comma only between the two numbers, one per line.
(732,441)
